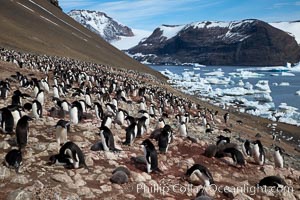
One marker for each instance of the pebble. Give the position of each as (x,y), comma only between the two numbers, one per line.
(4,145)
(19,194)
(63,178)
(106,188)
(119,177)
(20,179)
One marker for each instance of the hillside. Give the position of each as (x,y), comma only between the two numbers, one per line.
(246,42)
(39,26)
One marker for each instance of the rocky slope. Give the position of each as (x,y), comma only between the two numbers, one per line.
(101,24)
(39,180)
(247,42)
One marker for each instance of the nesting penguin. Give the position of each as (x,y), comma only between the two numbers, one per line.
(278,157)
(272,181)
(22,131)
(61,129)
(70,155)
(258,152)
(13,159)
(164,139)
(236,156)
(202,173)
(150,156)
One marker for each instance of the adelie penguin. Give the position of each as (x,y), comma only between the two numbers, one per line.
(13,159)
(273,181)
(98,110)
(258,152)
(22,131)
(40,97)
(76,112)
(202,173)
(183,129)
(150,156)
(164,139)
(141,126)
(7,120)
(107,140)
(278,157)
(226,117)
(131,133)
(37,109)
(246,149)
(236,156)
(69,155)
(61,129)
(222,140)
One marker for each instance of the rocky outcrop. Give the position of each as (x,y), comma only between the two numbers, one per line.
(247,42)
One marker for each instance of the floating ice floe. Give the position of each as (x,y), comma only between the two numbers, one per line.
(263,86)
(287,74)
(218,73)
(283,107)
(265,97)
(284,84)
(298,93)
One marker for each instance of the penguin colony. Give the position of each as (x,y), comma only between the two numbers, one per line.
(111,99)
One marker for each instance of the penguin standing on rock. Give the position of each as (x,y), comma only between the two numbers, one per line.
(22,131)
(202,173)
(246,149)
(13,159)
(40,97)
(131,133)
(7,120)
(107,139)
(61,128)
(258,152)
(165,139)
(37,109)
(151,156)
(278,157)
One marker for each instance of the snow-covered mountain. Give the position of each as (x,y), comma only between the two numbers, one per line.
(220,43)
(291,27)
(101,24)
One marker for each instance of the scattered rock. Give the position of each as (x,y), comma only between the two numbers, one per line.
(122,168)
(119,177)
(63,178)
(19,194)
(106,188)
(4,145)
(20,179)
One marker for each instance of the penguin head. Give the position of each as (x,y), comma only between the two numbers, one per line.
(147,144)
(277,148)
(52,159)
(27,118)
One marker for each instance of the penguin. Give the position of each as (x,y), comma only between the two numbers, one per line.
(258,152)
(107,121)
(61,129)
(141,126)
(76,112)
(107,139)
(61,159)
(131,133)
(70,151)
(4,89)
(7,120)
(222,140)
(145,114)
(120,118)
(183,129)
(160,123)
(226,117)
(165,139)
(152,110)
(274,181)
(98,110)
(55,92)
(246,149)
(22,131)
(13,159)
(16,113)
(202,173)
(37,109)
(278,157)
(111,108)
(65,105)
(150,156)
(236,156)
(40,97)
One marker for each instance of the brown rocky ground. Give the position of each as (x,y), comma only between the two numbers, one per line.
(38,180)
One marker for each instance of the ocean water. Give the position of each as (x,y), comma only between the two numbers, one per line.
(283,85)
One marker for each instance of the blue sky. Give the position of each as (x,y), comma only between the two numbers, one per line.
(149,14)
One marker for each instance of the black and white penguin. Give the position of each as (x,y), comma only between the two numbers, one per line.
(246,149)
(71,153)
(236,156)
(22,131)
(65,105)
(160,124)
(107,121)
(131,133)
(7,120)
(83,105)
(141,126)
(152,112)
(76,112)
(55,91)
(222,140)
(40,97)
(16,113)
(145,114)
(98,110)
(4,90)
(13,159)
(202,173)
(150,156)
(120,118)
(202,195)
(111,108)
(258,152)
(226,117)
(183,129)
(107,139)
(61,129)
(278,157)
(164,139)
(273,181)
(37,109)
